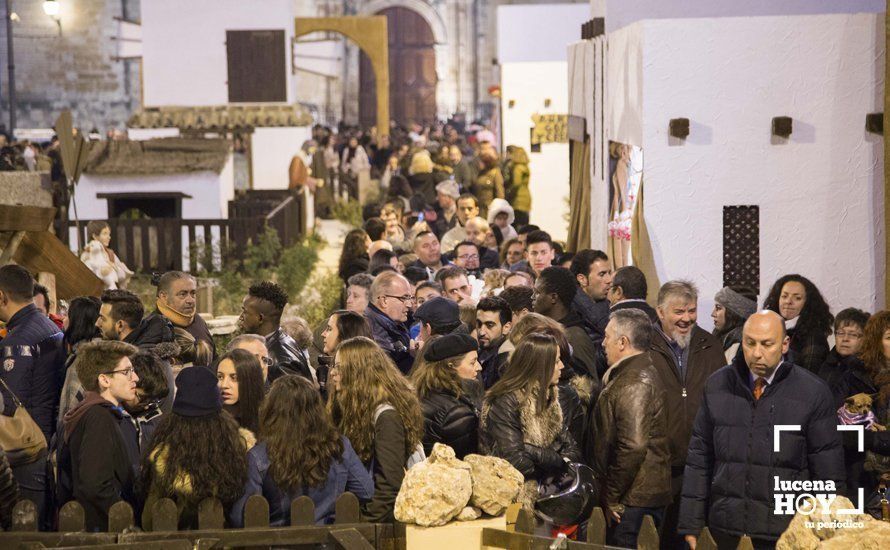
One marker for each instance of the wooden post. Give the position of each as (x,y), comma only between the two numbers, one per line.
(525,522)
(256,512)
(648,537)
(11,246)
(210,514)
(745,543)
(886,156)
(302,511)
(346,509)
(706,541)
(24,516)
(71,517)
(596,527)
(120,517)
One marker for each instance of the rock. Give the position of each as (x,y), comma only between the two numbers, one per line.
(496,483)
(835,531)
(469,514)
(436,490)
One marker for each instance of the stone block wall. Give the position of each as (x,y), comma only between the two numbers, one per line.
(76,70)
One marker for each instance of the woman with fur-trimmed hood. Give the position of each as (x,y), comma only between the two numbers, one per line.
(522,420)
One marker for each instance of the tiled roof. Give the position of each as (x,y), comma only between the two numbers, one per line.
(222,117)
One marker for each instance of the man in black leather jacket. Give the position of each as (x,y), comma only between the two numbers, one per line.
(261,313)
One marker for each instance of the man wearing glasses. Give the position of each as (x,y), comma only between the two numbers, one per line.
(466,255)
(94,465)
(387,315)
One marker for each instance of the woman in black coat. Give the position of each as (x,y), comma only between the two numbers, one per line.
(450,395)
(807,319)
(870,376)
(522,419)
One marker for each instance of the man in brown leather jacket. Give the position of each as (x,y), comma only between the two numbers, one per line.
(630,454)
(684,355)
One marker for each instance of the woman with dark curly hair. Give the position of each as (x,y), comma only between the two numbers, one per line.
(377,409)
(300,453)
(354,256)
(241,384)
(197,452)
(807,319)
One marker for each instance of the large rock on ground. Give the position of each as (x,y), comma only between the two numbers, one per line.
(835,531)
(435,491)
(496,483)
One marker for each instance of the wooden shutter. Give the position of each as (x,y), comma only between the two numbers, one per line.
(257,66)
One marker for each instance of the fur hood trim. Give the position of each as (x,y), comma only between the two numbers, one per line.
(539,429)
(584,386)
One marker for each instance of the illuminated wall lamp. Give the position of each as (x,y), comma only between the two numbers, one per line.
(53,8)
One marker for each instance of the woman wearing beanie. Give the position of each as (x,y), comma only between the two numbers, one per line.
(521,418)
(732,307)
(300,453)
(240,381)
(197,451)
(450,395)
(377,409)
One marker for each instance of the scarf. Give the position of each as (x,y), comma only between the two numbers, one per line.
(175,317)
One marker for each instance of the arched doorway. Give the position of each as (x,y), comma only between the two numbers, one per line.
(412,71)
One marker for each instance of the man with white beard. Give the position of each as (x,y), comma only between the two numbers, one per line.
(684,355)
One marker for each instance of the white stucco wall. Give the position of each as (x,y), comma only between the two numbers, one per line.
(272,150)
(532,49)
(549,183)
(210,192)
(820,192)
(184,46)
(619,13)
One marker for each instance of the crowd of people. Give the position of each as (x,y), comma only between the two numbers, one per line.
(462,324)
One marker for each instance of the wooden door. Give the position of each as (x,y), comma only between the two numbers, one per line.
(412,72)
(257,65)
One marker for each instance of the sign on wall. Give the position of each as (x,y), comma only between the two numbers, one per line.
(549,129)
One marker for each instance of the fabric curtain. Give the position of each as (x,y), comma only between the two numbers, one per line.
(641,247)
(579,196)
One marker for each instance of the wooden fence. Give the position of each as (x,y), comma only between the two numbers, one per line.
(348,532)
(164,244)
(523,536)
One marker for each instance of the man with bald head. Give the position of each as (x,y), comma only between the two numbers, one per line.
(391,299)
(738,461)
(476,229)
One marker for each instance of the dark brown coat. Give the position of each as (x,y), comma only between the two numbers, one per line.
(683,396)
(631,454)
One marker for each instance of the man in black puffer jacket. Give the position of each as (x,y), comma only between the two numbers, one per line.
(731,467)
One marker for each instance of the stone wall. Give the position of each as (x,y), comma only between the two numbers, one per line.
(76,70)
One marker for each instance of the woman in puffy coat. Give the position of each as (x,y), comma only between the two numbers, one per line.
(521,418)
(489,184)
(518,192)
(450,396)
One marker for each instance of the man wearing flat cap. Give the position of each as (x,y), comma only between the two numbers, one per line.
(438,316)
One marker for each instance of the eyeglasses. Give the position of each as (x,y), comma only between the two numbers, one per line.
(851,335)
(466,257)
(128,372)
(404,299)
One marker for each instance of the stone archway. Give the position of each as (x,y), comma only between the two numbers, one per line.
(370,34)
(412,67)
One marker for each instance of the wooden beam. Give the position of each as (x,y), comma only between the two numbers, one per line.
(886,156)
(42,251)
(12,247)
(25,218)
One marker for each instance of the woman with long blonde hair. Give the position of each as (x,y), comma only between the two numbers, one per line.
(377,410)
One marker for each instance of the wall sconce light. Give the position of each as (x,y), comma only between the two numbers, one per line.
(547,102)
(679,127)
(782,126)
(874,123)
(53,8)
(511,103)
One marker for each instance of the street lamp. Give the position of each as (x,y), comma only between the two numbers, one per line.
(53,8)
